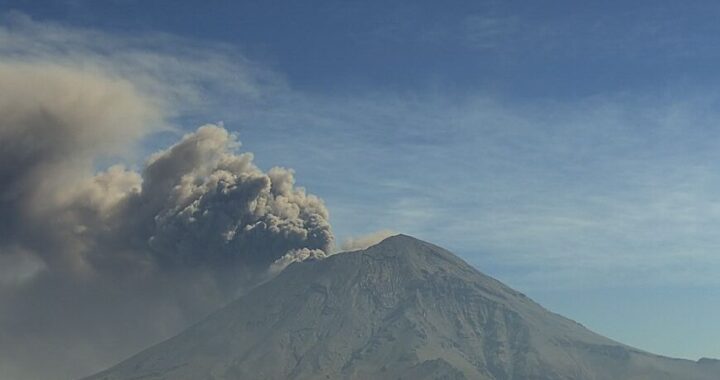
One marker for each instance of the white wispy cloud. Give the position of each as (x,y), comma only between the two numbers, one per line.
(186,75)
(578,193)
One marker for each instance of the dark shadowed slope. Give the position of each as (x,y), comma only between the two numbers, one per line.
(403,309)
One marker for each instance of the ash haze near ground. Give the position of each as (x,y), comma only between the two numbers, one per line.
(569,150)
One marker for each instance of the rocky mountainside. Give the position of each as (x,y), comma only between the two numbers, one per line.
(403,309)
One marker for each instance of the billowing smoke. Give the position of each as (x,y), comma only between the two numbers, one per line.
(96,266)
(199,203)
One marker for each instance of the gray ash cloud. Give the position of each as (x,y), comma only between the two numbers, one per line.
(98,265)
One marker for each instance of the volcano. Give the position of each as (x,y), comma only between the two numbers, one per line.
(402,309)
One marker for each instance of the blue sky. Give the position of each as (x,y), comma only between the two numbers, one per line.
(569,149)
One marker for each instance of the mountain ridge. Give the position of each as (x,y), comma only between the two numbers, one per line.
(403,308)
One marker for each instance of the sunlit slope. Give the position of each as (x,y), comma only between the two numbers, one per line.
(403,309)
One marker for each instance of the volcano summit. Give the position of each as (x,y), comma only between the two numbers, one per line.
(402,309)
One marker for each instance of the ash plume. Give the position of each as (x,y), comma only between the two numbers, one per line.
(95,266)
(199,203)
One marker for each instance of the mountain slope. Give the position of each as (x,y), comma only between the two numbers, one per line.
(403,309)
